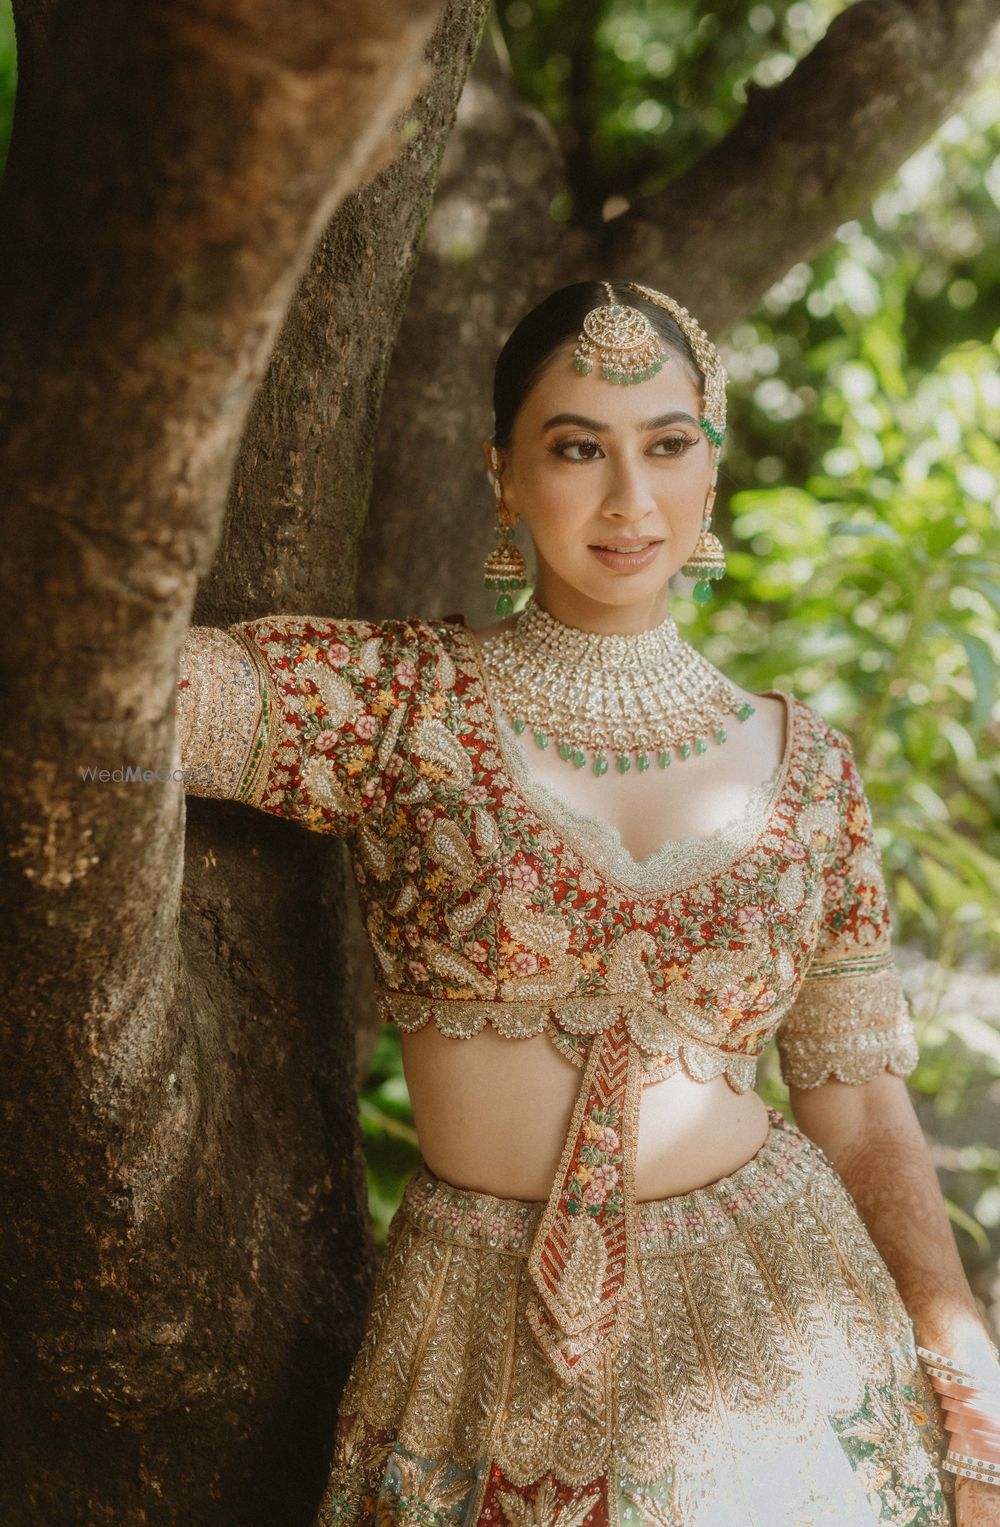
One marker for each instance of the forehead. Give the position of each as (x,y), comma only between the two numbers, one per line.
(560,388)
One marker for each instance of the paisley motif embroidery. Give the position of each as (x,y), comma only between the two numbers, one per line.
(480,910)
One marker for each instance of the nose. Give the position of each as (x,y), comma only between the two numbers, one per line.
(629,495)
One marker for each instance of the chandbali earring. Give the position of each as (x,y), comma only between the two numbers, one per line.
(708,560)
(505,568)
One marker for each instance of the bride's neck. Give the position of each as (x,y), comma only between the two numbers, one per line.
(572,608)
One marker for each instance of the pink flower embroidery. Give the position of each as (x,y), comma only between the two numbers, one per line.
(411,935)
(417,970)
(608,1139)
(524,876)
(524,963)
(477,795)
(411,860)
(476,951)
(424,819)
(606,1175)
(337,654)
(366,726)
(750,917)
(405,674)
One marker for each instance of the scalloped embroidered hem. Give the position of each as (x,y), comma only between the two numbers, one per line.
(766,1373)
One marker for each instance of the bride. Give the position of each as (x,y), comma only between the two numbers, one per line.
(597,877)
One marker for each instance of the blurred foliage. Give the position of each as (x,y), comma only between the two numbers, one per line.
(859,502)
(8,77)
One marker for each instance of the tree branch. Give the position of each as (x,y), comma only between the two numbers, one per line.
(807,155)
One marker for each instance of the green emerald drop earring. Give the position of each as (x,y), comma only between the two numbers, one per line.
(708,560)
(505,568)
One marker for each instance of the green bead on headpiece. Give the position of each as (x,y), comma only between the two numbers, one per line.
(628,349)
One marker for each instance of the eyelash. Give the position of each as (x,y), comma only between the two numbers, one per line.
(682,442)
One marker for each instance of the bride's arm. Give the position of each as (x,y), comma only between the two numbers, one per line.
(300,715)
(874,1140)
(845,1046)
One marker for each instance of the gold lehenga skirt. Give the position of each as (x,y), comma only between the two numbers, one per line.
(768,1379)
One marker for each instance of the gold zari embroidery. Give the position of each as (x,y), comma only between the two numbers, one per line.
(650,1028)
(847,1028)
(750,1294)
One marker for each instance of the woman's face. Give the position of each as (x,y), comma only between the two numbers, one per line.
(594,465)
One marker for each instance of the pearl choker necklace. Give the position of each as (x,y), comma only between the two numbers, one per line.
(642,695)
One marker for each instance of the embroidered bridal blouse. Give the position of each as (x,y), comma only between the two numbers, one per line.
(485,902)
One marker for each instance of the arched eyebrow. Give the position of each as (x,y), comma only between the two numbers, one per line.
(677,417)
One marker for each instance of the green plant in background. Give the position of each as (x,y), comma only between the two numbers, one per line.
(8,78)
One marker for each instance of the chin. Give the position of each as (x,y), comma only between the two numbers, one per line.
(626,588)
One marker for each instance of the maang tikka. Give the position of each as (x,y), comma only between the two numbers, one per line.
(505,568)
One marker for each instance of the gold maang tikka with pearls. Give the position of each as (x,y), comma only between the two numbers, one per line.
(643,697)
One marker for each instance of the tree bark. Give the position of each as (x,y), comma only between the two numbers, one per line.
(492,251)
(807,155)
(185,1252)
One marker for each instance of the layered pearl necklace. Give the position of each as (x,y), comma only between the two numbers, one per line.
(644,696)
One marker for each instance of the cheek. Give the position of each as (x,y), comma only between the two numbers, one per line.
(556,502)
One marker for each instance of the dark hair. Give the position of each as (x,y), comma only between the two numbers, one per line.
(558,318)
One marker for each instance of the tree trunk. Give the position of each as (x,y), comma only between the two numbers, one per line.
(185,1251)
(807,155)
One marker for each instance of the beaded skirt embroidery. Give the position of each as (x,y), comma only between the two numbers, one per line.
(766,1373)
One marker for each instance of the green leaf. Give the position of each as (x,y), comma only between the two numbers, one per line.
(983,667)
(959,1217)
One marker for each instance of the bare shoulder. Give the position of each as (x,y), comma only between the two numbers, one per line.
(766,732)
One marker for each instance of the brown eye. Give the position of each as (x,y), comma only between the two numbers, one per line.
(582,445)
(676,445)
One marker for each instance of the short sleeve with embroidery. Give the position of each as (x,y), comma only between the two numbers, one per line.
(851,1018)
(299,715)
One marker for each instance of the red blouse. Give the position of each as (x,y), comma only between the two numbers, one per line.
(480,910)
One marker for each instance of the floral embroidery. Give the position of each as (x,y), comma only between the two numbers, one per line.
(479,910)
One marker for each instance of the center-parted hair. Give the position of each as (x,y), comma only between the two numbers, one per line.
(556,321)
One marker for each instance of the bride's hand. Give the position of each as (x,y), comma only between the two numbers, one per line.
(977,1504)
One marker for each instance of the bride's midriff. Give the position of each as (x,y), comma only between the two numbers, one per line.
(492,1114)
